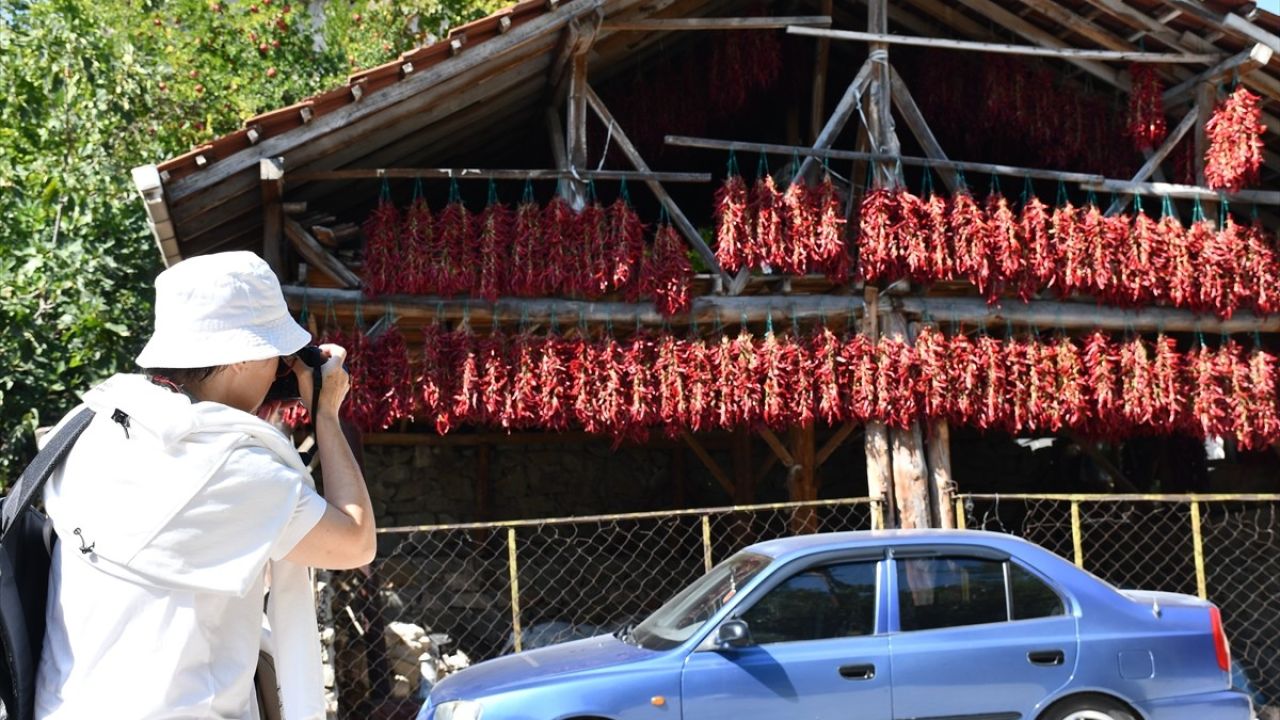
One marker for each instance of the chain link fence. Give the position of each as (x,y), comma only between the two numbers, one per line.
(442,597)
(1225,548)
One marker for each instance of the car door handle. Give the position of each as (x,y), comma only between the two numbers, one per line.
(857,672)
(1048,658)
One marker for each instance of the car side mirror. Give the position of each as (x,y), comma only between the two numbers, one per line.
(733,634)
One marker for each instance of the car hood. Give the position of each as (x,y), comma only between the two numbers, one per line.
(533,666)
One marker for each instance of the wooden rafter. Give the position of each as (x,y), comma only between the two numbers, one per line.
(717,23)
(1066,53)
(495,174)
(1154,159)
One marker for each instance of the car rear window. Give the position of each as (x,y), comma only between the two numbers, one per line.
(939,592)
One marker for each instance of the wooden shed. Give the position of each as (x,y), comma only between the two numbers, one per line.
(843,235)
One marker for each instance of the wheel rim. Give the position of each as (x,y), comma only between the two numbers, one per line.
(1088,715)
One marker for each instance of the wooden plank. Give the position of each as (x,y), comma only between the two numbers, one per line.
(493,174)
(1134,18)
(709,462)
(1242,63)
(1079,25)
(375,103)
(950,15)
(876,436)
(677,215)
(718,23)
(1082,315)
(1156,158)
(803,151)
(1229,23)
(317,256)
(1075,54)
(1185,192)
(919,127)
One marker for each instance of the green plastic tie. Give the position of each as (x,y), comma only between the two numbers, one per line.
(418,189)
(1028,190)
(731,167)
(1197,211)
(493,192)
(623,193)
(762,165)
(384,195)
(527,196)
(455,193)
(1166,207)
(1063,198)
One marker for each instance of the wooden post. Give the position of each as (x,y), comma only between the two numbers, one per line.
(271,172)
(576,130)
(944,489)
(1206,98)
(820,65)
(910,473)
(804,479)
(879,466)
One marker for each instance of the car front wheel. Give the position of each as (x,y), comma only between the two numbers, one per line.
(1092,707)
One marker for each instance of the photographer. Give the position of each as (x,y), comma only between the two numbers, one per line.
(178,509)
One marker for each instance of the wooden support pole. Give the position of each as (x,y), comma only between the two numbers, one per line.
(778,448)
(575,190)
(706,310)
(942,485)
(720,23)
(1001,49)
(1154,159)
(833,443)
(879,462)
(271,172)
(910,472)
(709,462)
(839,117)
(804,519)
(1206,98)
(812,152)
(677,215)
(919,127)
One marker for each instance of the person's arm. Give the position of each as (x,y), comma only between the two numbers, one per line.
(344,538)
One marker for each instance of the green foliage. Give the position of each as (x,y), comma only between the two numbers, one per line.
(96,87)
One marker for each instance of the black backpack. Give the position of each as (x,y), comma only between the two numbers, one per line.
(25,545)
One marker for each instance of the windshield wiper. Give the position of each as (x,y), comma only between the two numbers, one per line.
(626,635)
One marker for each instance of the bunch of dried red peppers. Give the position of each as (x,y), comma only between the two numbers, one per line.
(1097,385)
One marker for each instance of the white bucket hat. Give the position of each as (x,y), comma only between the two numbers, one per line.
(220,309)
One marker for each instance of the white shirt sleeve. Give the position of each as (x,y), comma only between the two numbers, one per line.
(306,515)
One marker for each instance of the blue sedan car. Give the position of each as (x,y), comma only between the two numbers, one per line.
(888,625)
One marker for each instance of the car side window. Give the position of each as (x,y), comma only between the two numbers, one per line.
(938,592)
(1032,598)
(830,601)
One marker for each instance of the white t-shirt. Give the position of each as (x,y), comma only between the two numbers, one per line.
(125,644)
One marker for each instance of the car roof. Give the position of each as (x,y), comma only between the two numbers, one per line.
(800,545)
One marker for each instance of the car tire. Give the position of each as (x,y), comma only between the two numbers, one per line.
(1088,707)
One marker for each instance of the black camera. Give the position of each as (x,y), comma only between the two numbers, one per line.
(286,385)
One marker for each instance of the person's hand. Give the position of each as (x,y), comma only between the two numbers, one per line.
(335,382)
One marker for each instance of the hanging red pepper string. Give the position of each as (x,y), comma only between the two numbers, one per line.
(625,242)
(831,247)
(594,273)
(824,363)
(1146,123)
(382,247)
(493,248)
(528,256)
(769,211)
(665,275)
(671,395)
(700,382)
(1001,262)
(733,230)
(560,249)
(857,373)
(747,390)
(495,378)
(1234,157)
(878,219)
(1103,391)
(1038,247)
(418,234)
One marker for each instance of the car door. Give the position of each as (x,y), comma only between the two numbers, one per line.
(816,652)
(977,635)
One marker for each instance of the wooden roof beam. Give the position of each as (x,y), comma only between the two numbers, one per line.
(1071,54)
(1044,38)
(1230,23)
(716,23)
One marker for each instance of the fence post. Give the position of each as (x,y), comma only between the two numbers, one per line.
(962,522)
(515,588)
(1197,538)
(1077,535)
(706,542)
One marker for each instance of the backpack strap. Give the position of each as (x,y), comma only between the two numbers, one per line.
(32,481)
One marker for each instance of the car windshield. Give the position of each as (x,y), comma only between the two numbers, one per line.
(682,615)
